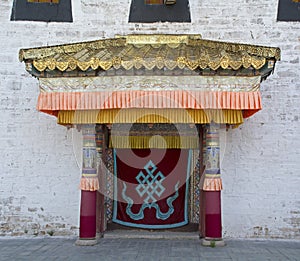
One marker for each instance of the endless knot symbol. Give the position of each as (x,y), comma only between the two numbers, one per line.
(151,183)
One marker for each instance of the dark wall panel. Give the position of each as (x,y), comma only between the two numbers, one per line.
(288,10)
(47,12)
(142,13)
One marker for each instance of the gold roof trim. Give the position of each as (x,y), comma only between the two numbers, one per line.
(149,51)
(267,52)
(143,39)
(48,51)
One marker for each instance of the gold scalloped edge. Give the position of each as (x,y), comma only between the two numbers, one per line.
(225,62)
(223,55)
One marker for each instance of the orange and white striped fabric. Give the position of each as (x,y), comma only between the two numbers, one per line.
(56,101)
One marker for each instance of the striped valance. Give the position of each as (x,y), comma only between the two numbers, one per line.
(110,116)
(180,99)
(158,135)
(158,142)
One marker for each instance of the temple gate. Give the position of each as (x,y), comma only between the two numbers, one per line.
(150,109)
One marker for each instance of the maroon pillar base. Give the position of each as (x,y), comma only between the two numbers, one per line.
(213,219)
(88,215)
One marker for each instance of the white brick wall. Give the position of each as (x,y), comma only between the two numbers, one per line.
(38,172)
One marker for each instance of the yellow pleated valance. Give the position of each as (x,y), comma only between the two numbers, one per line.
(158,142)
(110,116)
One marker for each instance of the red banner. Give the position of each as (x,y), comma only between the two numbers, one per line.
(151,188)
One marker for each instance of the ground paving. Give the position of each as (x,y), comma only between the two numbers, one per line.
(107,249)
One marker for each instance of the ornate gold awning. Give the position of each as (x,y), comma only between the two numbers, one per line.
(149,51)
(150,78)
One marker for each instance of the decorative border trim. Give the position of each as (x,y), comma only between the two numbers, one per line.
(147,83)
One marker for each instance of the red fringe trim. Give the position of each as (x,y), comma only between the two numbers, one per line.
(89,184)
(212,184)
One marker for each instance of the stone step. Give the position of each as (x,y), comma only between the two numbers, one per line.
(150,234)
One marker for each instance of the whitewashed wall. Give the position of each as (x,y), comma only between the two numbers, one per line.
(261,170)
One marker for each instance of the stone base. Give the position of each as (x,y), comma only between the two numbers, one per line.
(150,234)
(86,242)
(213,242)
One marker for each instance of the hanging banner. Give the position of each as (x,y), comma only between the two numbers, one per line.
(151,187)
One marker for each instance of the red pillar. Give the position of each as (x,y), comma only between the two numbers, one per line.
(88,215)
(89,184)
(213,219)
(211,190)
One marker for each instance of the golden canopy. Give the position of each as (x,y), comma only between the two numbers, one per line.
(91,82)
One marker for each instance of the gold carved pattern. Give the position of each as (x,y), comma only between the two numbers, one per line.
(150,83)
(267,52)
(150,51)
(44,52)
(213,62)
(169,39)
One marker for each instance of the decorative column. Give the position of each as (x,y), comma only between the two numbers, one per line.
(212,186)
(89,184)
(100,148)
(202,160)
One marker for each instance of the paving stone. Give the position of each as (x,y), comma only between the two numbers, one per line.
(147,250)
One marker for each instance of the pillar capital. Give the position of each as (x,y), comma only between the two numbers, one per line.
(89,180)
(212,173)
